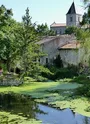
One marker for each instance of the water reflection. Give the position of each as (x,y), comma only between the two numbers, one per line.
(82,119)
(19,105)
(61,117)
(24,106)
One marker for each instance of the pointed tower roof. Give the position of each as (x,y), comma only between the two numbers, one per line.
(72,9)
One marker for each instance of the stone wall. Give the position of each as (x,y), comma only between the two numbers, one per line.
(76,19)
(50,48)
(71,56)
(59,30)
(10,82)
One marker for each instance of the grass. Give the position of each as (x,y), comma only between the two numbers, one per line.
(56,94)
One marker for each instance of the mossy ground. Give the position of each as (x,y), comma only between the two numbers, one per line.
(56,94)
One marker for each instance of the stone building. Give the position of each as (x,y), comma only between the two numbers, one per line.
(71,54)
(73,18)
(65,46)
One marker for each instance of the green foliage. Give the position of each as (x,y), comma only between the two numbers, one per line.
(43,30)
(85,1)
(82,79)
(84,90)
(41,79)
(86,16)
(3,66)
(71,30)
(8,44)
(83,37)
(60,73)
(35,79)
(84,20)
(56,94)
(18,44)
(5,15)
(29,50)
(29,79)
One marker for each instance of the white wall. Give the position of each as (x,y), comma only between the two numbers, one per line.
(51,48)
(68,22)
(71,56)
(59,30)
(77,18)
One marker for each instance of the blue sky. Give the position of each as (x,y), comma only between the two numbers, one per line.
(41,11)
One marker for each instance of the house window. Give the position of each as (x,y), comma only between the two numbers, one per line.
(39,60)
(60,31)
(71,19)
(56,31)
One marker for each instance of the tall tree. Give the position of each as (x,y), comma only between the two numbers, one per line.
(7,39)
(29,49)
(86,16)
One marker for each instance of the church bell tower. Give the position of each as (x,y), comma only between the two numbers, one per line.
(72,17)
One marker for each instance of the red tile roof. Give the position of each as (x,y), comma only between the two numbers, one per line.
(58,25)
(70,46)
(47,39)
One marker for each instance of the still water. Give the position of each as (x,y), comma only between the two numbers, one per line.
(25,107)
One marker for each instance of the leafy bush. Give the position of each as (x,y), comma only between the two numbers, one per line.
(35,79)
(82,79)
(60,73)
(41,79)
(3,66)
(71,30)
(84,90)
(30,79)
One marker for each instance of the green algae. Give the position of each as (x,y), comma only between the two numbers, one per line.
(8,118)
(56,94)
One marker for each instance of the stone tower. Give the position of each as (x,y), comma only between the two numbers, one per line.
(72,17)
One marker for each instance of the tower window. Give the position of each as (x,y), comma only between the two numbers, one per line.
(71,19)
(79,19)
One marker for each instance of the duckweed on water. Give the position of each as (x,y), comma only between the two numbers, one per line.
(56,94)
(7,118)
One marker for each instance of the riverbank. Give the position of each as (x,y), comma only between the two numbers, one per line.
(56,94)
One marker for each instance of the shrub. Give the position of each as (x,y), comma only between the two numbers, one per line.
(60,73)
(41,79)
(35,79)
(30,79)
(84,90)
(82,79)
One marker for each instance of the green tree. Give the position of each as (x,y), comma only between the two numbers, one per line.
(29,48)
(70,30)
(5,15)
(86,16)
(7,38)
(86,1)
(84,20)
(43,30)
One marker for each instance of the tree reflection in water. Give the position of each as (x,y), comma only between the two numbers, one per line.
(26,107)
(86,120)
(19,105)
